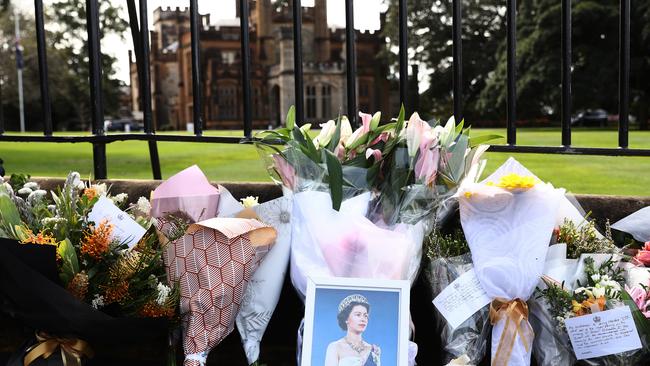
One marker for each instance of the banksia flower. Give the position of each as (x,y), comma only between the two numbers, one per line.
(118,292)
(78,286)
(96,243)
(153,310)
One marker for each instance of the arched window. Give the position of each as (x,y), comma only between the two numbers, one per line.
(326,101)
(310,100)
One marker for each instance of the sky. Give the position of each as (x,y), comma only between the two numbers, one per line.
(366,18)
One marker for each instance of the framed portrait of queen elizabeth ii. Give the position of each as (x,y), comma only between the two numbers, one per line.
(356,322)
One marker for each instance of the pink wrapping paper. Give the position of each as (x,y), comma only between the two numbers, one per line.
(213,263)
(189,192)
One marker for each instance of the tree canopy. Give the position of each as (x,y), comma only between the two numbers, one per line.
(67,57)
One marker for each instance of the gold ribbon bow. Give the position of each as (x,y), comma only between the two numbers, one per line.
(516,315)
(72,349)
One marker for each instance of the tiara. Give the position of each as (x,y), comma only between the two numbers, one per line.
(350,299)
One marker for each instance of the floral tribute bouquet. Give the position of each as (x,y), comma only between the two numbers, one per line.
(211,255)
(377,190)
(73,271)
(508,220)
(583,274)
(449,258)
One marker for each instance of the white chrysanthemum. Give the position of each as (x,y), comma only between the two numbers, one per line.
(31,185)
(143,206)
(595,277)
(97,302)
(25,191)
(118,199)
(250,201)
(163,293)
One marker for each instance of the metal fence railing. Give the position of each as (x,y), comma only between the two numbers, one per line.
(140,35)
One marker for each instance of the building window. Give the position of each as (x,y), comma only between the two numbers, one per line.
(311,101)
(326,101)
(363,89)
(258,103)
(227,102)
(228,57)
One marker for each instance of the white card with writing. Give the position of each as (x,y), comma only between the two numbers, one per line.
(461,299)
(603,333)
(125,229)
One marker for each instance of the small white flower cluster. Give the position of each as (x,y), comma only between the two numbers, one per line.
(119,199)
(603,285)
(97,302)
(142,207)
(100,189)
(52,222)
(74,181)
(163,293)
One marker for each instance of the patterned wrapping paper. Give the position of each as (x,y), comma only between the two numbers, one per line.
(213,263)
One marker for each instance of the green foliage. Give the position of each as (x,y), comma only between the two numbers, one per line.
(584,238)
(559,299)
(67,57)
(439,245)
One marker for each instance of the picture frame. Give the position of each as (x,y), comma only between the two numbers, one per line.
(348,320)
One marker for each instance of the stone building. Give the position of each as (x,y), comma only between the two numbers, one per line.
(272,65)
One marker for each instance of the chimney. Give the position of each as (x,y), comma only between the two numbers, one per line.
(321,31)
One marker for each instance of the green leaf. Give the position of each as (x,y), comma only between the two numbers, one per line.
(399,125)
(335,172)
(306,145)
(478,140)
(9,215)
(70,266)
(374,122)
(291,118)
(459,127)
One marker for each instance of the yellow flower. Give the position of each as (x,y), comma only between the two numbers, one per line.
(250,201)
(515,181)
(468,194)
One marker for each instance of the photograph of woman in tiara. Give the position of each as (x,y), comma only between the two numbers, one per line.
(351,349)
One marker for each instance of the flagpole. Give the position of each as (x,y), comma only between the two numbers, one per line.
(19,67)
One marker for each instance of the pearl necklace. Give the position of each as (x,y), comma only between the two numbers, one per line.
(357,348)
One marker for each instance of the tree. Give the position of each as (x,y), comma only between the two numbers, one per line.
(67,65)
(429,39)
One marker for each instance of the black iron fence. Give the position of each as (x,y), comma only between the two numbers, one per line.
(140,35)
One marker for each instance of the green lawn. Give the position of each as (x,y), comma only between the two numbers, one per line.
(231,162)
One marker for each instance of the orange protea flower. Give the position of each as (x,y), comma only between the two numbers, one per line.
(117,293)
(78,286)
(90,192)
(40,238)
(153,310)
(96,243)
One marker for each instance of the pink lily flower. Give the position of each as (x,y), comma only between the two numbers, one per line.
(416,128)
(426,167)
(374,153)
(286,172)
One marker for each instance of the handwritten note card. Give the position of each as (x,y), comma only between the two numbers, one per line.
(461,299)
(125,229)
(603,333)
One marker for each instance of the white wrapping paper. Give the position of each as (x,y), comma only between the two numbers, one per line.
(263,291)
(636,224)
(508,234)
